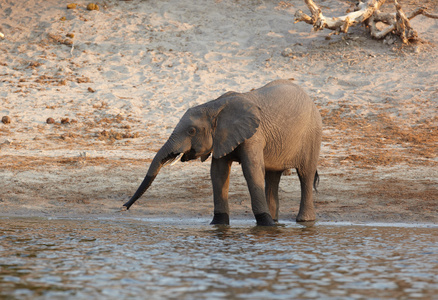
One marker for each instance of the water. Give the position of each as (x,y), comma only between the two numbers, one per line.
(173,259)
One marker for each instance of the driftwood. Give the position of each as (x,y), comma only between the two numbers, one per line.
(369,14)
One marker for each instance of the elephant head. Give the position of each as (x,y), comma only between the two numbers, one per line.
(216,127)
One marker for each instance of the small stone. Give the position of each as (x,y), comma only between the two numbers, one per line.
(287,172)
(70,35)
(91,90)
(34,64)
(50,121)
(92,6)
(82,79)
(71,6)
(65,121)
(388,40)
(287,52)
(67,42)
(6,120)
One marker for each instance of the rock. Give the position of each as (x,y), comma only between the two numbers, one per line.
(67,42)
(70,35)
(92,6)
(50,121)
(91,90)
(287,172)
(71,6)
(83,79)
(287,52)
(65,121)
(388,40)
(34,64)
(6,120)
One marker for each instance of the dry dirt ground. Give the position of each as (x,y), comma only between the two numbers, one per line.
(378,101)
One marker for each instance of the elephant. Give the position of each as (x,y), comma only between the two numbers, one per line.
(268,130)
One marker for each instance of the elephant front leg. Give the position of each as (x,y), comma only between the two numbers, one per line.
(220,178)
(254,171)
(272,180)
(307,208)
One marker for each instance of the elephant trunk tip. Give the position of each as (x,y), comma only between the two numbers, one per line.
(163,157)
(140,191)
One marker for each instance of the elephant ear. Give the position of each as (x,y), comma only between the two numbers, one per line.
(237,121)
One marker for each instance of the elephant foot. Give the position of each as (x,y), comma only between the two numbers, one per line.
(264,219)
(221,219)
(306,217)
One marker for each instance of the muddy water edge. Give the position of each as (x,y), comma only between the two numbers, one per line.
(63,258)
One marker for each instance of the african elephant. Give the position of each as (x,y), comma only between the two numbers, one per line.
(267,130)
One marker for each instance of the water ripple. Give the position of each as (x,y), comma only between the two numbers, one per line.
(66,258)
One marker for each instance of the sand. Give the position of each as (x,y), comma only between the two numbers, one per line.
(116,81)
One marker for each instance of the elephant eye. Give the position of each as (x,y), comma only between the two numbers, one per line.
(192,131)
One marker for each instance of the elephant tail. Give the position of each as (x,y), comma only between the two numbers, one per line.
(316,181)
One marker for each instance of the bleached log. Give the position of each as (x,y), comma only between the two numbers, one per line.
(339,24)
(369,14)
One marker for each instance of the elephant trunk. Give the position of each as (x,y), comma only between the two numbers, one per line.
(165,154)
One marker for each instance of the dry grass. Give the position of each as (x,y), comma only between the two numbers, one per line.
(29,163)
(380,140)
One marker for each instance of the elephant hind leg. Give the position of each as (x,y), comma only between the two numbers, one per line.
(308,179)
(316,181)
(272,180)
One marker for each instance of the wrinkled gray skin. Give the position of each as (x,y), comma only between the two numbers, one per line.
(267,130)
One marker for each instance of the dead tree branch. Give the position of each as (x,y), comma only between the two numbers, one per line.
(369,14)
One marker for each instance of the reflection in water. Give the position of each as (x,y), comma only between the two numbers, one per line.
(67,258)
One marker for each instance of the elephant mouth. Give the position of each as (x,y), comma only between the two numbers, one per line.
(173,158)
(189,155)
(185,156)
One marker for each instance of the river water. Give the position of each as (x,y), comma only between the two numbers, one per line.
(62,258)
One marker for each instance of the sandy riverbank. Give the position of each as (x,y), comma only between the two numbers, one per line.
(127,73)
